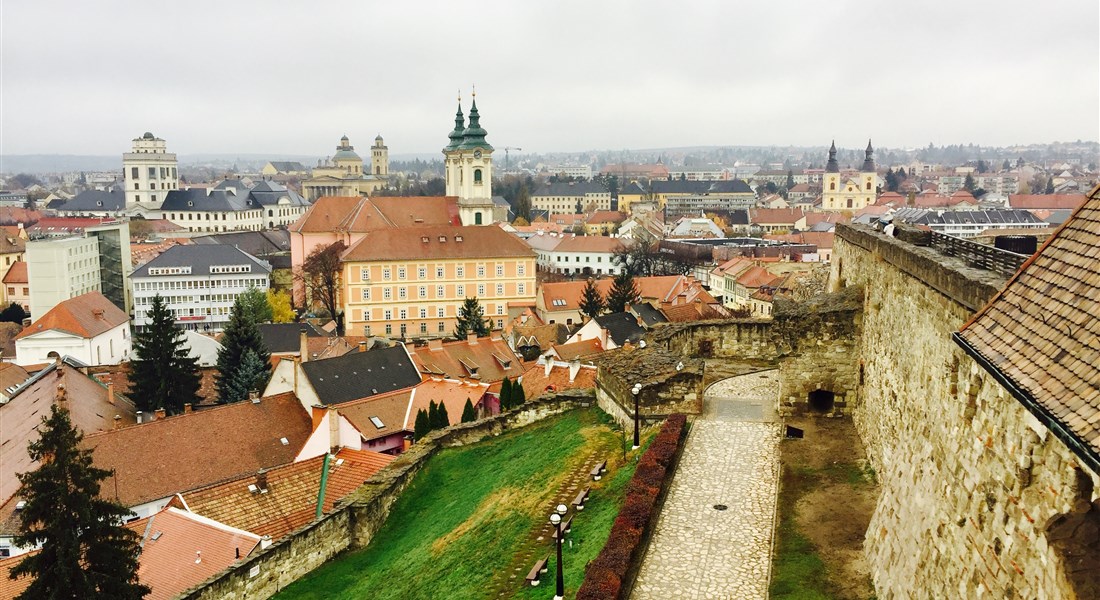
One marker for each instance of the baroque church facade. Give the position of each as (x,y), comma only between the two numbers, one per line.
(851,193)
(468,168)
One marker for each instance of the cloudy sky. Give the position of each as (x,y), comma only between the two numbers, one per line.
(245,76)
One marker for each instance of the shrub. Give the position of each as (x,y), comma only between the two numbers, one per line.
(604,578)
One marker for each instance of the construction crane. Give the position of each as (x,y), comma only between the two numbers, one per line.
(507,158)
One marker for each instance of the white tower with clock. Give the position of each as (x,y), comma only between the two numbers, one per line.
(468,164)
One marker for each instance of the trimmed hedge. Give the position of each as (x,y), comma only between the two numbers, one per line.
(611,573)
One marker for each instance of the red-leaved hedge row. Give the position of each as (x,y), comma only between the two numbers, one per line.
(607,573)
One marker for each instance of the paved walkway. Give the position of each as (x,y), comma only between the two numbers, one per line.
(731,460)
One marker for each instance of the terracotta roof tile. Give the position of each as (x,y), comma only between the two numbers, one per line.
(290,499)
(86,315)
(488,355)
(562,376)
(578,349)
(17,273)
(423,243)
(359,214)
(397,410)
(1041,329)
(650,288)
(1046,201)
(203,447)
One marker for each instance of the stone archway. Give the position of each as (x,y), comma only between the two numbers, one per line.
(821,401)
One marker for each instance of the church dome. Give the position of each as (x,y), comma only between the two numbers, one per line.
(148,136)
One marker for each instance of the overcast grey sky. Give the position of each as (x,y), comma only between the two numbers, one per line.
(244,76)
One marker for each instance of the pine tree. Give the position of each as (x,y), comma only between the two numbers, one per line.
(623,292)
(518,395)
(1050,186)
(163,374)
(240,335)
(13,314)
(968,183)
(444,418)
(505,394)
(85,553)
(250,375)
(423,425)
(433,416)
(468,412)
(471,319)
(592,303)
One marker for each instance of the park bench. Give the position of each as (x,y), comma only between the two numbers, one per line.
(582,496)
(538,569)
(599,470)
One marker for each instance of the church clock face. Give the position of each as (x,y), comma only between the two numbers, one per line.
(477,153)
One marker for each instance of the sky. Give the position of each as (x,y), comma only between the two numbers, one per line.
(255,77)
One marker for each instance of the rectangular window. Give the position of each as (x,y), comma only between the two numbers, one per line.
(461,291)
(439,272)
(500,289)
(500,309)
(389,329)
(387,315)
(423,313)
(364,274)
(442,327)
(402,293)
(387,293)
(439,291)
(133,172)
(401,273)
(422,292)
(402,314)
(521,269)
(460,271)
(481,290)
(423,328)
(422,272)
(386,273)
(366,294)
(500,270)
(521,288)
(481,270)
(439,312)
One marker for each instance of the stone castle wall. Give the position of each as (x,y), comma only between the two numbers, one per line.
(971,482)
(357,519)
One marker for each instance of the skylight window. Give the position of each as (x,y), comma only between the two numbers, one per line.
(377,422)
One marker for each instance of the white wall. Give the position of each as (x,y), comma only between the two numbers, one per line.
(108,348)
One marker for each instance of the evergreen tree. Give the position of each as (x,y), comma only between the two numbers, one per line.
(433,416)
(444,418)
(518,395)
(592,303)
(623,292)
(163,374)
(471,319)
(505,394)
(13,314)
(86,552)
(240,335)
(790,178)
(256,307)
(468,412)
(423,425)
(250,375)
(891,180)
(968,183)
(1050,186)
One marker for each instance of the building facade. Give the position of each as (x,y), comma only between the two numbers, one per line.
(61,268)
(199,284)
(411,283)
(854,193)
(343,173)
(468,169)
(149,171)
(566,198)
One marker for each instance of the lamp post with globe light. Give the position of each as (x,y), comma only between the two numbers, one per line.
(555,520)
(637,389)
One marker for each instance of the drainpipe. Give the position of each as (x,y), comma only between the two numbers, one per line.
(324,483)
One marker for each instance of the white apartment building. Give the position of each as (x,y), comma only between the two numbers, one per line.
(149,171)
(567,198)
(199,284)
(578,172)
(586,255)
(61,268)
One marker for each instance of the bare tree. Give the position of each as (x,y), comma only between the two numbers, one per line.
(320,275)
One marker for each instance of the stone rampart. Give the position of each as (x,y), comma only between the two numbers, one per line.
(357,519)
(975,492)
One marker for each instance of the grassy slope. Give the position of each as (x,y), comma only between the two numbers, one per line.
(465,515)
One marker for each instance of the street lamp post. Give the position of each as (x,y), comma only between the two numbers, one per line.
(637,389)
(555,520)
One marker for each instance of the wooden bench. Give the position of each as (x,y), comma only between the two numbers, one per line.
(599,470)
(538,569)
(578,502)
(566,525)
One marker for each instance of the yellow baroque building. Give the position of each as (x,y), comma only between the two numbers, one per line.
(854,193)
(411,282)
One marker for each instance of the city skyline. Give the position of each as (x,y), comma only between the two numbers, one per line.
(554,78)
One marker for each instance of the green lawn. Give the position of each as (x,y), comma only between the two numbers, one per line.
(471,510)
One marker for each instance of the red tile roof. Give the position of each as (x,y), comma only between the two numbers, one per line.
(578,349)
(488,355)
(1047,201)
(180,550)
(664,289)
(209,445)
(600,217)
(361,214)
(10,588)
(290,499)
(423,243)
(86,316)
(589,243)
(775,216)
(537,382)
(17,273)
(1041,331)
(397,410)
(821,239)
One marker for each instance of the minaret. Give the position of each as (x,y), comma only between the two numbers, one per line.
(468,164)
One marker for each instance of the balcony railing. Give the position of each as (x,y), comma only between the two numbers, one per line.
(979,255)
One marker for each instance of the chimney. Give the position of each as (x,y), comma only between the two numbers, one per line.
(406,443)
(333,429)
(160,413)
(303,344)
(574,368)
(549,366)
(118,421)
(363,346)
(254,396)
(261,480)
(471,338)
(139,416)
(98,313)
(187,408)
(317,414)
(435,344)
(111,392)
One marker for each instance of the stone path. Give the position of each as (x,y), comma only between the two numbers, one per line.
(700,549)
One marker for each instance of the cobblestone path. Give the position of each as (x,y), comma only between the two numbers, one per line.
(714,536)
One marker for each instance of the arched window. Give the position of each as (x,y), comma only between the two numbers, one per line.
(832,185)
(477,176)
(378,170)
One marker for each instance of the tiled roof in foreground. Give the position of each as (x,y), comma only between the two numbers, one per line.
(1041,335)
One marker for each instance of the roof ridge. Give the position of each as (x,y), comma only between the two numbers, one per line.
(192,414)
